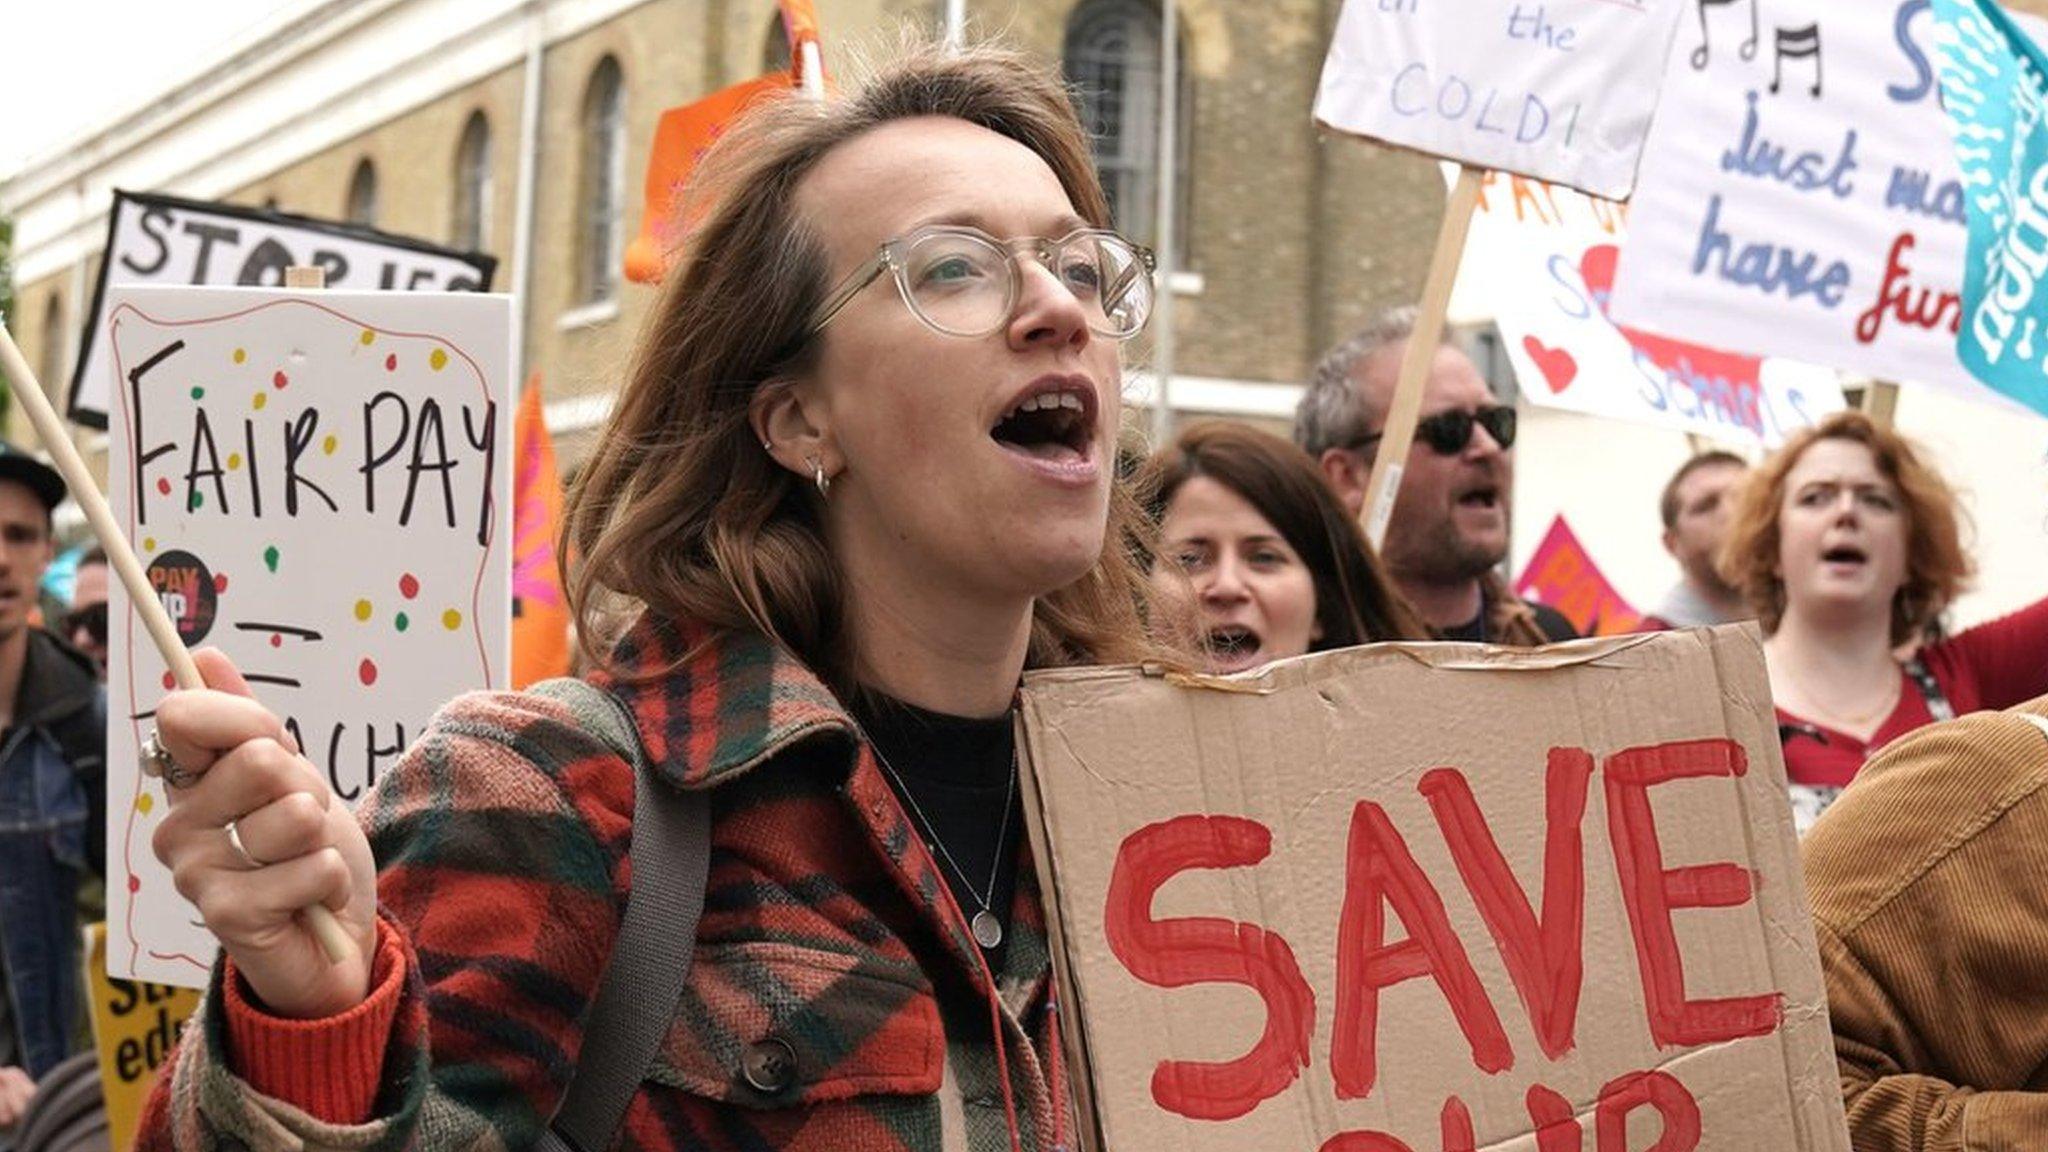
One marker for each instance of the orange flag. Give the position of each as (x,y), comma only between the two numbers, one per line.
(682,136)
(540,611)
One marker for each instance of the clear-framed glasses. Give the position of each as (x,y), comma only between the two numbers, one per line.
(964,282)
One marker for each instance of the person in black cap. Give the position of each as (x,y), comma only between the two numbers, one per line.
(52,795)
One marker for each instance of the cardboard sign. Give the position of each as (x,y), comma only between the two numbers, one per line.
(1558,89)
(1995,83)
(134,1027)
(1540,261)
(1424,898)
(1563,575)
(318,485)
(1800,194)
(164,240)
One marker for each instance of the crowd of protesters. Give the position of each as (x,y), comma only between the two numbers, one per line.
(919,292)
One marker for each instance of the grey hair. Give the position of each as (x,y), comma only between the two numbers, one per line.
(1334,412)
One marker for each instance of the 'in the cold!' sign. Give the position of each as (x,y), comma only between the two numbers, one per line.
(316,484)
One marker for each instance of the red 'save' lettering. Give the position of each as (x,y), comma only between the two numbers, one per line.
(1651,892)
(1207,949)
(1379,870)
(1545,959)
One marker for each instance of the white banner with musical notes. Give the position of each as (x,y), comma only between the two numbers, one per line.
(1799,192)
(1561,90)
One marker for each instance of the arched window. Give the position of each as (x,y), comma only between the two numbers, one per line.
(1112,57)
(470,228)
(51,369)
(601,185)
(362,194)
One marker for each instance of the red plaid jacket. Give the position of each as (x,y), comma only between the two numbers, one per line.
(828,935)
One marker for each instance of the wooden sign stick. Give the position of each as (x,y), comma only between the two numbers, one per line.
(121,558)
(1397,435)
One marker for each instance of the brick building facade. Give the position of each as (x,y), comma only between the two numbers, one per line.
(1287,238)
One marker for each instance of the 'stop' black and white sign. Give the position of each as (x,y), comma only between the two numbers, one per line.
(155,239)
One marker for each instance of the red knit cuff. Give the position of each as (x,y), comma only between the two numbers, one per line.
(329,1068)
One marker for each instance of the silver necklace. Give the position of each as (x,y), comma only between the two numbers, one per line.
(987,926)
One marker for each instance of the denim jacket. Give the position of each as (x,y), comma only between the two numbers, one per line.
(52,829)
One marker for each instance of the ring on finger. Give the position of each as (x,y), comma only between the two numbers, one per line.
(242,850)
(157,761)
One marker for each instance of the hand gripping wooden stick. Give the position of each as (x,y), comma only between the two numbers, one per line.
(333,940)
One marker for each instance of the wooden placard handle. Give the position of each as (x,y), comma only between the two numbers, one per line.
(1397,435)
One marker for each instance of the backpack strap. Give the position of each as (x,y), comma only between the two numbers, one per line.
(650,960)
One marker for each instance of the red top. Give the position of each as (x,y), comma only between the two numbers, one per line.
(1995,665)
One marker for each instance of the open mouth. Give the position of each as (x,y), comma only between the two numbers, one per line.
(1485,498)
(1055,423)
(1844,554)
(1231,642)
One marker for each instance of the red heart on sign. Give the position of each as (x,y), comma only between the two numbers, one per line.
(1556,364)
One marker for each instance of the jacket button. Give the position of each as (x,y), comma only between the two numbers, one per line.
(769,1066)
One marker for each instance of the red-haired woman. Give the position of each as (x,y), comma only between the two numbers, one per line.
(1847,546)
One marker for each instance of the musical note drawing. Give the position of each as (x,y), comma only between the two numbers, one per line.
(1701,54)
(1799,44)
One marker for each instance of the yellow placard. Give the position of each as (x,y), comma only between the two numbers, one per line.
(134,1026)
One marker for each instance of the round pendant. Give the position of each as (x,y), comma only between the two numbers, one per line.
(988,931)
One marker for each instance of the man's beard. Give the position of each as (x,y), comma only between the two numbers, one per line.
(1448,556)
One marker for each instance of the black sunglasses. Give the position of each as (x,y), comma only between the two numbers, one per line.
(92,618)
(1448,432)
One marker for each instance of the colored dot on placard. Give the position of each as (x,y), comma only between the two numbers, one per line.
(278,379)
(270,557)
(451,619)
(437,359)
(368,337)
(234,461)
(402,622)
(408,586)
(220,583)
(259,401)
(196,500)
(163,485)
(149,543)
(276,641)
(363,609)
(328,446)
(241,354)
(144,803)
(198,393)
(391,362)
(367,672)
(170,681)
(134,882)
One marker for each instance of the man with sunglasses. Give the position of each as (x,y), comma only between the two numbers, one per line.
(85,625)
(1449,530)
(52,795)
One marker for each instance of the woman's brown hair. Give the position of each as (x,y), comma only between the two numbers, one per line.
(1355,602)
(679,509)
(1937,568)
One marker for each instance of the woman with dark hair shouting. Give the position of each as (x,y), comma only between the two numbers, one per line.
(1257,560)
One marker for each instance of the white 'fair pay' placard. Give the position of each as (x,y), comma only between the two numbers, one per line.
(317,485)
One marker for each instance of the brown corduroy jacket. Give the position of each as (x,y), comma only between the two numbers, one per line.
(1929,883)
